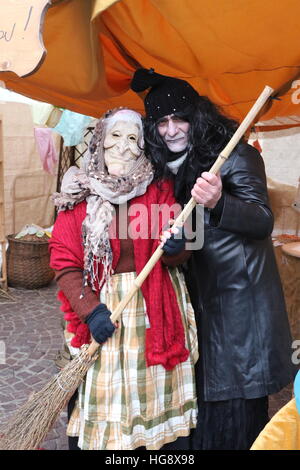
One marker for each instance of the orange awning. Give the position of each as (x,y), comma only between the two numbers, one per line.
(227,49)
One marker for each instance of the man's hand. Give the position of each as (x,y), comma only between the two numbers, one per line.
(207,189)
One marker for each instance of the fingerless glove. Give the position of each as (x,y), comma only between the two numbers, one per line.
(175,244)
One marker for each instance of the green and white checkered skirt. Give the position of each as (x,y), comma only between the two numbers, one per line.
(122,403)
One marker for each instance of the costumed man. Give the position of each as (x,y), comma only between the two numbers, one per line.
(140,392)
(243,330)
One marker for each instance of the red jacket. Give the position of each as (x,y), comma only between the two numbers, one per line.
(167,345)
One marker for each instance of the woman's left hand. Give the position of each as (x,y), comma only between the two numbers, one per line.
(173,241)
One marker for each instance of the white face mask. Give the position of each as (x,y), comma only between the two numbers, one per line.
(174,132)
(121,148)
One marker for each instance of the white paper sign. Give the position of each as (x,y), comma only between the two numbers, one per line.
(21,43)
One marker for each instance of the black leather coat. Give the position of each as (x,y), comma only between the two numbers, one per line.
(244,336)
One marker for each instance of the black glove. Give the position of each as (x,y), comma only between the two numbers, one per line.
(100,324)
(175,244)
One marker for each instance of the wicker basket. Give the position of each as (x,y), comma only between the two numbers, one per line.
(28,263)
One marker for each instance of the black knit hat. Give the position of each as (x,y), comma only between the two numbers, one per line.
(167,96)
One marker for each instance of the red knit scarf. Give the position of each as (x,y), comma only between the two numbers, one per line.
(165,340)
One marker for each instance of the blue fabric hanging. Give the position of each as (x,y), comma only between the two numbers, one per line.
(72,127)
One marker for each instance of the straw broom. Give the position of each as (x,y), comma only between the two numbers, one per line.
(32,422)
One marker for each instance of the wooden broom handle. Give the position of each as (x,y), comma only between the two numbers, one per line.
(259,103)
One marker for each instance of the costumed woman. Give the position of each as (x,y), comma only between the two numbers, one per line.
(140,392)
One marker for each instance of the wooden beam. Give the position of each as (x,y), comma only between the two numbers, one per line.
(3,277)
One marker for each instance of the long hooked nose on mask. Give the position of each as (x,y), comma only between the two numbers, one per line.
(121,148)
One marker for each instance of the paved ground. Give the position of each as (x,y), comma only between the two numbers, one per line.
(32,332)
(30,329)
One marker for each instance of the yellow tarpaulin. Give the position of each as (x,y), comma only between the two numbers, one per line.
(282,432)
(227,49)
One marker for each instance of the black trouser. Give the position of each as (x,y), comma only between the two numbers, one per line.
(73,441)
(229,424)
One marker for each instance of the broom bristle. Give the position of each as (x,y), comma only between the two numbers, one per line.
(32,422)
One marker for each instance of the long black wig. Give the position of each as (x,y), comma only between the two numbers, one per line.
(209,133)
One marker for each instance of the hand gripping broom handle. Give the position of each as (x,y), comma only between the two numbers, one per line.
(189,207)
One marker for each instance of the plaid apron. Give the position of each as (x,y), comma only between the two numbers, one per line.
(122,403)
